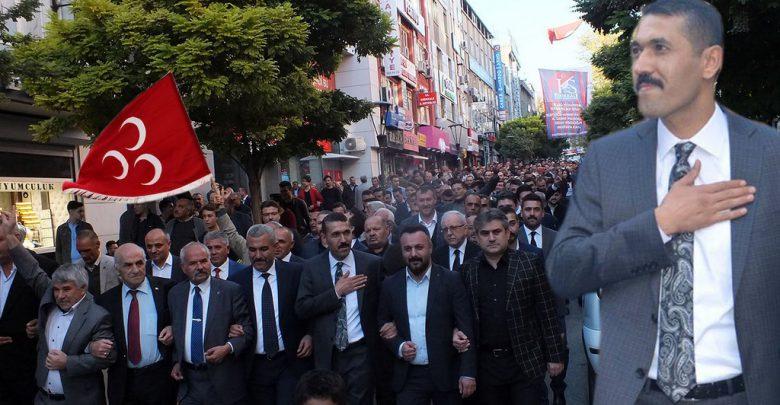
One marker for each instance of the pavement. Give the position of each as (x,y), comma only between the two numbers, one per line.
(577,375)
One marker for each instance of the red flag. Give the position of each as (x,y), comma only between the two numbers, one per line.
(562,32)
(147,152)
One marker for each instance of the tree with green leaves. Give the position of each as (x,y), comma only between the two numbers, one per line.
(525,138)
(24,9)
(749,83)
(245,69)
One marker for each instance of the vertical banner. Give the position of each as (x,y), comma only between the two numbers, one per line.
(500,89)
(565,97)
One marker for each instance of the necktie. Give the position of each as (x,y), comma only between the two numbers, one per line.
(196,332)
(533,239)
(456,261)
(134,330)
(270,338)
(676,362)
(341,339)
(217,271)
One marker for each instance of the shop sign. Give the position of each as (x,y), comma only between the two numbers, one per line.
(327,146)
(410,10)
(421,139)
(447,87)
(426,99)
(397,65)
(499,66)
(410,141)
(395,139)
(18,186)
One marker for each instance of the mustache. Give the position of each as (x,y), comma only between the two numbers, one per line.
(645,78)
(343,245)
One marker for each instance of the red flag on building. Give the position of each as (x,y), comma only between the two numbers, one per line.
(147,152)
(562,32)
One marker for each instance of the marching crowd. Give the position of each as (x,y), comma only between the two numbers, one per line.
(427,286)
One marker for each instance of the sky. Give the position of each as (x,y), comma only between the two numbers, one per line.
(527,21)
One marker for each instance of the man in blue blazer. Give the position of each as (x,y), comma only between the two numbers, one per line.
(675,221)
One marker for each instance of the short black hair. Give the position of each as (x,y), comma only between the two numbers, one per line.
(532,197)
(490,215)
(367,192)
(74,205)
(270,203)
(333,217)
(327,176)
(702,20)
(321,384)
(164,204)
(284,184)
(508,210)
(506,196)
(426,189)
(413,228)
(109,243)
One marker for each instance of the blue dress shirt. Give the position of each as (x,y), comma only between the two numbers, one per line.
(417,307)
(74,253)
(147,321)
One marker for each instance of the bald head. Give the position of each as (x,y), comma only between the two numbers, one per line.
(158,246)
(130,264)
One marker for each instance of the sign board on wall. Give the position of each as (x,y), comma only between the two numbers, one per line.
(499,66)
(447,87)
(565,97)
(411,10)
(426,99)
(395,64)
(19,186)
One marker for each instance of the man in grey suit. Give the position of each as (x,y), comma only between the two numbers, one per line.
(206,357)
(99,267)
(69,320)
(532,231)
(688,273)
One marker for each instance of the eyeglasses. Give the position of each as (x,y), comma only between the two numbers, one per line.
(452,228)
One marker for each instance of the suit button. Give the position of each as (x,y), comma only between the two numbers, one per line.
(654,317)
(640,373)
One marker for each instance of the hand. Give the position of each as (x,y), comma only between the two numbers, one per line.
(388,331)
(8,228)
(688,208)
(56,360)
(467,386)
(409,351)
(101,348)
(215,355)
(460,341)
(5,340)
(31,329)
(217,199)
(166,336)
(236,330)
(554,368)
(176,372)
(304,348)
(347,284)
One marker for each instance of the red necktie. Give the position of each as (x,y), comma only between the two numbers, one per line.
(134,331)
(216,272)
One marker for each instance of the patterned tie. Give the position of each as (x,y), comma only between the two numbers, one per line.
(456,261)
(533,239)
(341,339)
(133,330)
(270,337)
(196,332)
(217,271)
(676,362)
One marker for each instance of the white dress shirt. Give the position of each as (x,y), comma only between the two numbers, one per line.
(258,282)
(223,269)
(166,269)
(462,249)
(5,286)
(56,328)
(430,225)
(204,295)
(287,258)
(537,235)
(714,334)
(354,327)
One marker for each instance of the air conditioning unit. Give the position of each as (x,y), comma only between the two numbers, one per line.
(421,65)
(428,72)
(15,83)
(354,145)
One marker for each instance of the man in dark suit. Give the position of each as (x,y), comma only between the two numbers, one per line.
(206,360)
(68,321)
(282,347)
(18,306)
(185,227)
(65,237)
(313,246)
(339,293)
(141,325)
(695,243)
(426,302)
(457,249)
(161,262)
(517,330)
(219,249)
(402,210)
(532,232)
(557,205)
(285,242)
(426,202)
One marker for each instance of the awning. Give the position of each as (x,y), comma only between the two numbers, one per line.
(416,157)
(330,156)
(436,138)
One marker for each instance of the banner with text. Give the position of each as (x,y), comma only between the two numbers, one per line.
(565,97)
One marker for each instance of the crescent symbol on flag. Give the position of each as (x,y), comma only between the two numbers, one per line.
(155,163)
(141,131)
(121,159)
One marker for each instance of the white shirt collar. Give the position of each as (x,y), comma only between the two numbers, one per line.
(348,261)
(288,257)
(143,287)
(462,247)
(528,230)
(425,276)
(433,221)
(223,267)
(709,138)
(168,262)
(271,270)
(204,286)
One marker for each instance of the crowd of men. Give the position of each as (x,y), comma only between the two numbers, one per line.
(424,287)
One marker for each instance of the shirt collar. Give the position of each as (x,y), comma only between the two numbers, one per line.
(347,260)
(73,308)
(223,267)
(288,257)
(204,286)
(425,277)
(13,271)
(97,261)
(712,137)
(433,221)
(143,287)
(271,270)
(462,246)
(528,230)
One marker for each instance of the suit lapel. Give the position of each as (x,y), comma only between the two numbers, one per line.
(16,290)
(157,296)
(359,270)
(79,317)
(511,275)
(215,294)
(119,320)
(404,305)
(433,298)
(746,161)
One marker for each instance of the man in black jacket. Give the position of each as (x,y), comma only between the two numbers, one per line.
(426,302)
(458,249)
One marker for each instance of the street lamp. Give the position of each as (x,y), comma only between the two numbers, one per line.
(381,131)
(457,132)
